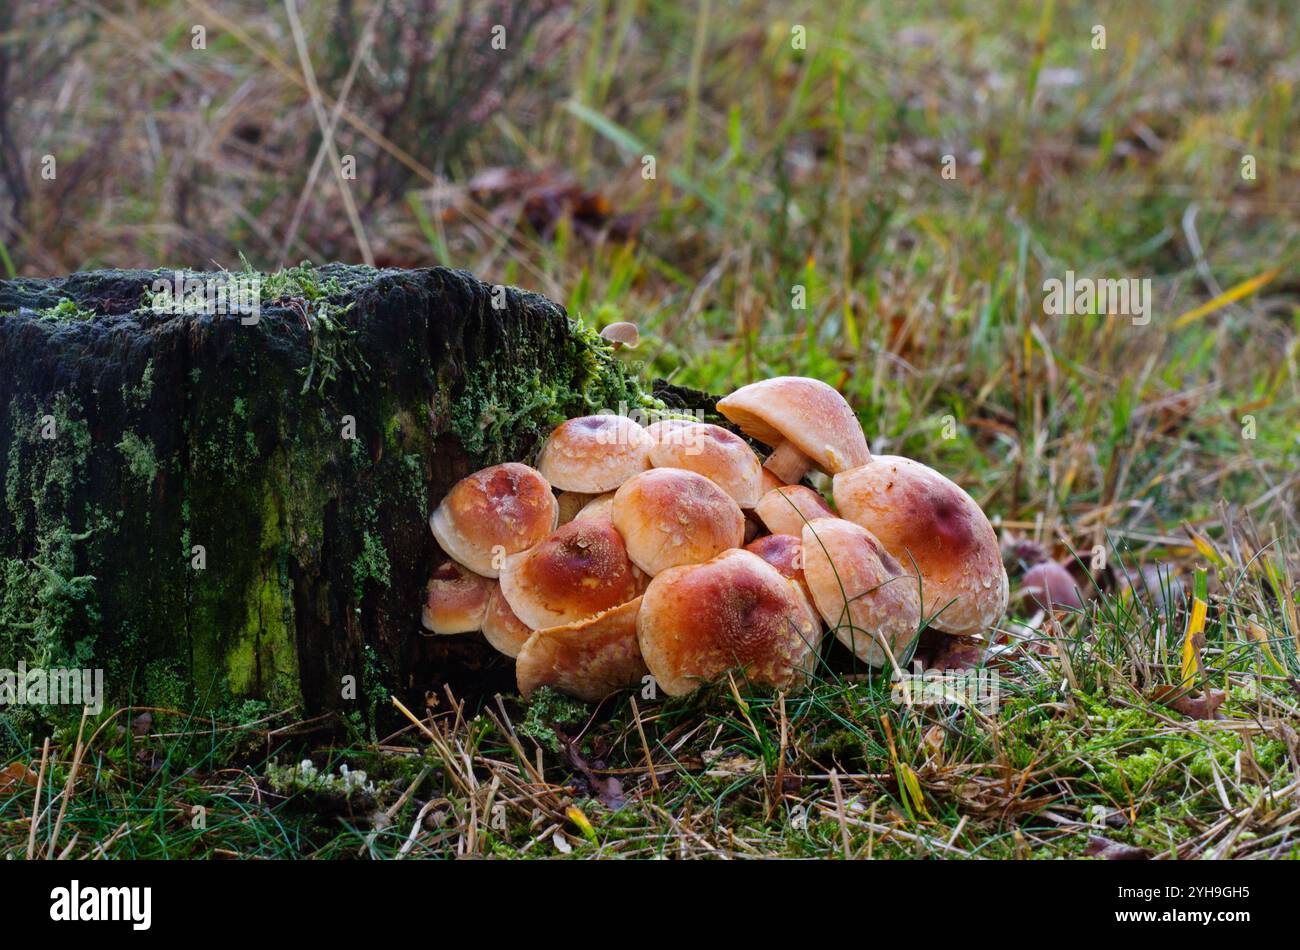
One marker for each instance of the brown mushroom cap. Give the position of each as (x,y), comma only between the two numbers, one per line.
(799,417)
(712,451)
(501,627)
(785,510)
(862,593)
(600,506)
(494,512)
(736,611)
(579,570)
(669,517)
(454,599)
(589,658)
(785,553)
(924,518)
(594,454)
(1051,585)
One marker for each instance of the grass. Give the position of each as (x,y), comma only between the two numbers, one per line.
(798,220)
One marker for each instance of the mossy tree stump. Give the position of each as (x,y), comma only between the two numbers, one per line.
(212,510)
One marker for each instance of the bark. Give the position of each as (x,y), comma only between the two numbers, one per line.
(172,431)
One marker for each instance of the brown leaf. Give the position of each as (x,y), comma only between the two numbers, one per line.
(1202,705)
(14,776)
(1099,847)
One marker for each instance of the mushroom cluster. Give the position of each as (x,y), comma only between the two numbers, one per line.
(670,550)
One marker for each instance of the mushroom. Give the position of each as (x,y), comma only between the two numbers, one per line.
(787,509)
(712,451)
(1050,585)
(594,454)
(454,599)
(622,334)
(928,523)
(770,481)
(669,517)
(600,506)
(862,593)
(579,570)
(736,611)
(492,513)
(785,553)
(570,503)
(806,422)
(589,658)
(501,627)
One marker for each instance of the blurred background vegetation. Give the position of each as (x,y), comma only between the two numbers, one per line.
(774,167)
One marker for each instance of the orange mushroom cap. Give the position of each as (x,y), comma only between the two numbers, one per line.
(454,599)
(589,658)
(712,451)
(812,417)
(736,611)
(925,519)
(501,627)
(579,570)
(862,593)
(787,509)
(594,454)
(494,512)
(785,553)
(669,516)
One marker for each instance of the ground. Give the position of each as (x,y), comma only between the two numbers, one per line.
(879,206)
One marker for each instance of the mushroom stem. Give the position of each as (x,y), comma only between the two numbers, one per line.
(787,463)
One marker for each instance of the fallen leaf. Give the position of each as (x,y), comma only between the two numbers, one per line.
(575,815)
(1203,705)
(14,775)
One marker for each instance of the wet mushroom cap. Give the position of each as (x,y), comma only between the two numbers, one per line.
(454,599)
(787,509)
(925,519)
(808,413)
(501,627)
(600,506)
(712,451)
(862,593)
(594,454)
(589,658)
(1050,585)
(669,517)
(698,621)
(579,570)
(494,512)
(785,553)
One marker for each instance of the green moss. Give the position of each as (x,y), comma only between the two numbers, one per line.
(548,709)
(66,309)
(511,402)
(140,459)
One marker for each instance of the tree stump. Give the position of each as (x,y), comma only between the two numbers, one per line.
(213,510)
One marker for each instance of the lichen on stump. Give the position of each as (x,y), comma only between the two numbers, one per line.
(213,510)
